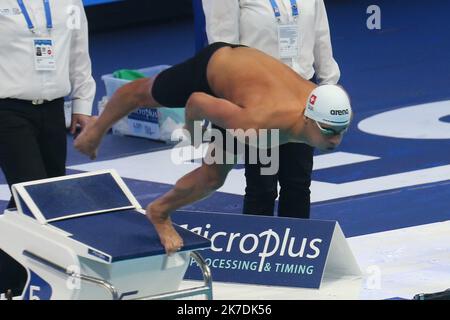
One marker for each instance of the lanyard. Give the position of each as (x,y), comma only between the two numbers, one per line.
(276,9)
(48,14)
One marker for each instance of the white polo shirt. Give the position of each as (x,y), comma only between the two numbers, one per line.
(253,23)
(18,76)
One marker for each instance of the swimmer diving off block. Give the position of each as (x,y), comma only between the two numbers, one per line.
(234,87)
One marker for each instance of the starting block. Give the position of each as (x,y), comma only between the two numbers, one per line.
(85,236)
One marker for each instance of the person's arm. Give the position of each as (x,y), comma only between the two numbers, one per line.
(124,100)
(80,73)
(221,112)
(327,69)
(222,20)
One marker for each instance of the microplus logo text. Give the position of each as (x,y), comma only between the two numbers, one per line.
(266,244)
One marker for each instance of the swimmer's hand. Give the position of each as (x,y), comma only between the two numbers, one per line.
(89,140)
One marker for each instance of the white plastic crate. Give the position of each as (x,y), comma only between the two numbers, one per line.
(152,123)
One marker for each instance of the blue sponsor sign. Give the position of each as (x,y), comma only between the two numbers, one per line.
(261,250)
(144,114)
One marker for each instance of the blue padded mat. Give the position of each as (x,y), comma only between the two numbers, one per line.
(86,194)
(124,235)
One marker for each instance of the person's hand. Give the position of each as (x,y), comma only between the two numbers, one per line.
(78,120)
(89,139)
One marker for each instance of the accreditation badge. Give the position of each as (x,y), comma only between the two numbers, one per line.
(288,41)
(44,55)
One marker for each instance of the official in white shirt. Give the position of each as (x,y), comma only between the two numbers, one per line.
(44,57)
(297,33)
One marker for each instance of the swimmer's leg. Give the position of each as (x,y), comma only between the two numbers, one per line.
(194,186)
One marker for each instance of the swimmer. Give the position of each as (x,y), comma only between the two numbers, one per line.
(234,87)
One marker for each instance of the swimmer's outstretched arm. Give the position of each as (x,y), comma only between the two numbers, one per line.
(127,98)
(221,112)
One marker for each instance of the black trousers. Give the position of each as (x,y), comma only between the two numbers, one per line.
(32,146)
(294,176)
(32,140)
(13,276)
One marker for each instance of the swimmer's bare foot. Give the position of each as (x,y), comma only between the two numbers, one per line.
(170,239)
(89,140)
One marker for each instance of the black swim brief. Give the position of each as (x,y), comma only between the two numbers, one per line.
(173,87)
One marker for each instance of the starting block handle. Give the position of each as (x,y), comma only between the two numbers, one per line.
(99,282)
(206,289)
(207,278)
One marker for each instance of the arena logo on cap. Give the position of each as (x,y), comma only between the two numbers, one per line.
(313,99)
(339,112)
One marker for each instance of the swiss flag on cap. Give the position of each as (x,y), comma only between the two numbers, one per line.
(313,99)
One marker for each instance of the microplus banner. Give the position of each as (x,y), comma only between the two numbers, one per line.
(267,250)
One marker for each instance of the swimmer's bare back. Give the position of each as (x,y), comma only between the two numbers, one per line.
(262,85)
